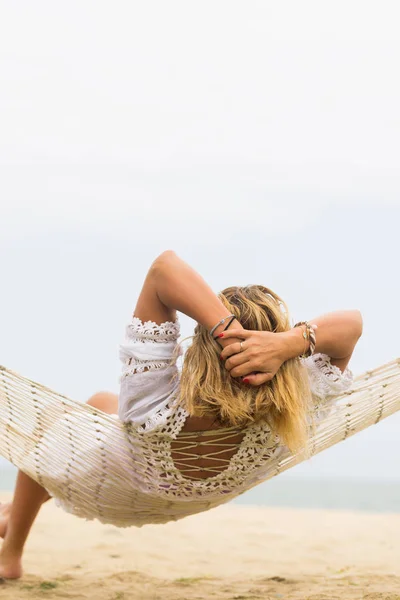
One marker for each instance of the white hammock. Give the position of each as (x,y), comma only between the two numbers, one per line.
(30,414)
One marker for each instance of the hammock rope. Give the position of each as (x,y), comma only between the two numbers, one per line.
(29,411)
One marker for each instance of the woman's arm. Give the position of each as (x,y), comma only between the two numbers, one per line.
(264,352)
(337,335)
(171,285)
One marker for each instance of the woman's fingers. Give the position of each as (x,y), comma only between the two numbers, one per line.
(242,370)
(258,378)
(232,349)
(236,360)
(238,333)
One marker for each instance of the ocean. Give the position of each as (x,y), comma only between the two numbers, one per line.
(301,492)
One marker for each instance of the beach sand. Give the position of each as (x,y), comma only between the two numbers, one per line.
(232,552)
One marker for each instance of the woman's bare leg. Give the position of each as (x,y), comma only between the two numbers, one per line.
(28,498)
(105,401)
(17,519)
(4,514)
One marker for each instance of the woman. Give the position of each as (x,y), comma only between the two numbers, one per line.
(242,376)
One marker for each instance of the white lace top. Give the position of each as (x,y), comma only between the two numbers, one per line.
(150,377)
(126,475)
(149,385)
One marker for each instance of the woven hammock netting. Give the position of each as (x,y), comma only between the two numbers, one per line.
(28,411)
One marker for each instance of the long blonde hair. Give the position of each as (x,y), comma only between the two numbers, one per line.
(207,388)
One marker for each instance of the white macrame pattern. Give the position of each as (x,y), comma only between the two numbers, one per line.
(165,479)
(98,467)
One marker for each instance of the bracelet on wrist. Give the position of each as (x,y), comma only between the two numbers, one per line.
(308,335)
(221,322)
(227,326)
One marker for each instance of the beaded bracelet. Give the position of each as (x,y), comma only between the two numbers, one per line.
(308,334)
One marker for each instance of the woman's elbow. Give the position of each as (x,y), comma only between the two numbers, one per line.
(167,256)
(163,262)
(357,323)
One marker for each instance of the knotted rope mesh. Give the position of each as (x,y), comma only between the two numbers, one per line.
(39,426)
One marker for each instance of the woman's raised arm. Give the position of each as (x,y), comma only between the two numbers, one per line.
(337,335)
(264,352)
(171,285)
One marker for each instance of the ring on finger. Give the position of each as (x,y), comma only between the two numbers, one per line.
(241,347)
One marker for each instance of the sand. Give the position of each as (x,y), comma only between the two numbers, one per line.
(232,552)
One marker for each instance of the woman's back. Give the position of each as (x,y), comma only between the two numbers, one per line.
(201,450)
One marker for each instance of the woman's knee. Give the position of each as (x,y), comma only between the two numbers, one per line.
(105,401)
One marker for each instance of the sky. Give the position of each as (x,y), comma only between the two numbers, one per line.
(260,140)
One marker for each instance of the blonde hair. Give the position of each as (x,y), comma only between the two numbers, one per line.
(207,388)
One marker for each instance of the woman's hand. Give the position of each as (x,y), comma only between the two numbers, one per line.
(258,358)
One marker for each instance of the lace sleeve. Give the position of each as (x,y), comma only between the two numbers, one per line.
(148,346)
(149,372)
(327,382)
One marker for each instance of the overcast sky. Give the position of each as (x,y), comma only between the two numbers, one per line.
(260,140)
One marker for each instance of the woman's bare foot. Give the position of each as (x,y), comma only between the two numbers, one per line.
(5,510)
(10,563)
(10,566)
